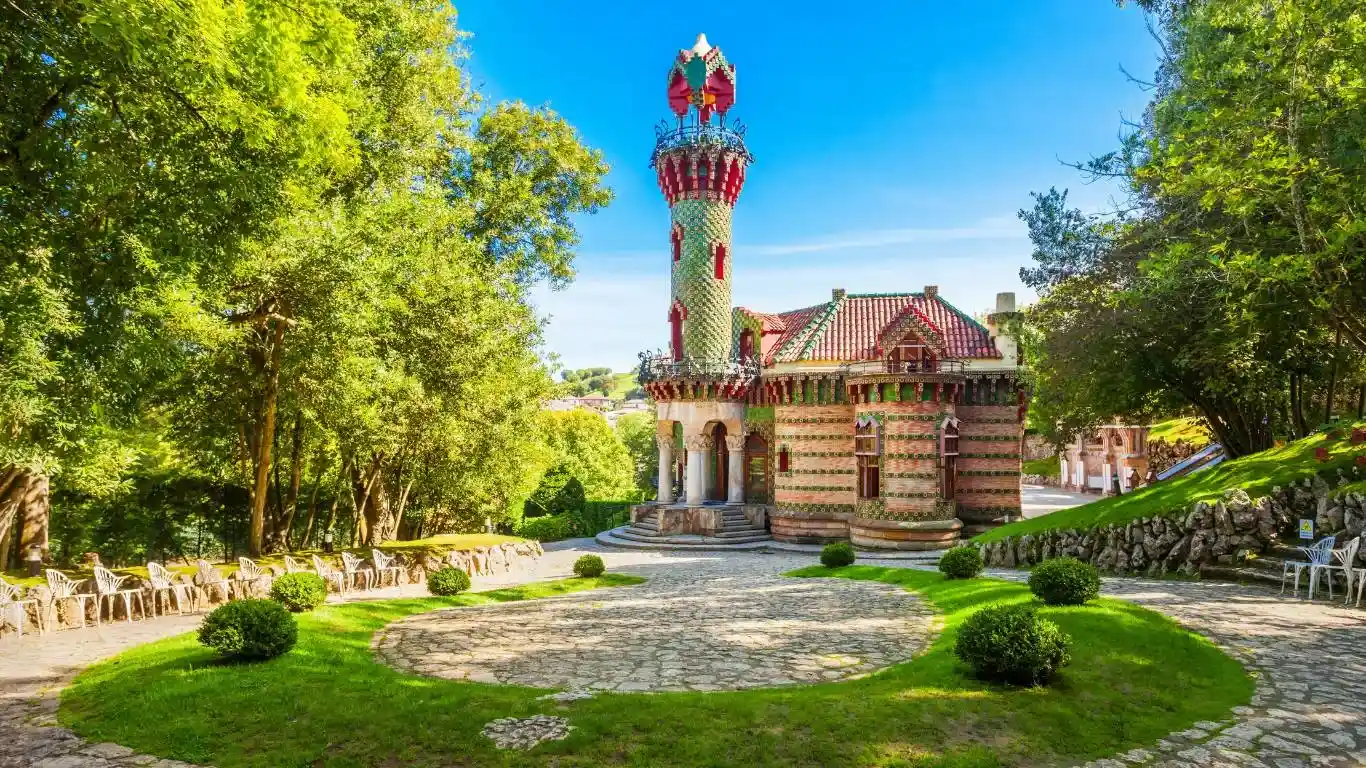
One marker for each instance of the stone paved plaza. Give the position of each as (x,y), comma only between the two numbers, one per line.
(1309,658)
(712,624)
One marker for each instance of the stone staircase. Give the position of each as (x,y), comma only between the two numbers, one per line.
(1265,569)
(735,529)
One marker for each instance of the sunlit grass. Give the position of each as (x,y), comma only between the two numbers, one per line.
(1136,676)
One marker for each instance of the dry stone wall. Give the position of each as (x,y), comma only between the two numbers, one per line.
(1219,533)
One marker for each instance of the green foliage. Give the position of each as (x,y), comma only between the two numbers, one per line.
(249,630)
(1294,462)
(961,562)
(1065,581)
(1178,430)
(1012,644)
(448,581)
(559,493)
(637,432)
(548,527)
(1045,467)
(299,592)
(837,554)
(589,567)
(586,448)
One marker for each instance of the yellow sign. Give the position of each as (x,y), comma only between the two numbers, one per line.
(1306,529)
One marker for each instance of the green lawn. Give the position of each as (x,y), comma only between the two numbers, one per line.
(1136,676)
(1047,466)
(1256,474)
(1188,429)
(432,545)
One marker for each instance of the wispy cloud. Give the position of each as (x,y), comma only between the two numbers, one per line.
(987,229)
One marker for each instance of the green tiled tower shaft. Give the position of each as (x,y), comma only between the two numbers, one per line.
(705,226)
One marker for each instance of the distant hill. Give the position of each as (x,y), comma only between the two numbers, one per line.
(586,381)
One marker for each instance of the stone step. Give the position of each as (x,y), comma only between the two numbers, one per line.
(740,533)
(628,535)
(1243,574)
(646,524)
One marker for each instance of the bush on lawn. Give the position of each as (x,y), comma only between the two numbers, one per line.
(1064,581)
(299,592)
(837,555)
(589,566)
(448,581)
(1010,644)
(548,527)
(961,563)
(249,630)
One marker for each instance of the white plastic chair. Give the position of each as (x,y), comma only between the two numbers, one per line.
(1361,585)
(109,586)
(248,573)
(330,574)
(12,604)
(385,564)
(1319,553)
(355,570)
(294,566)
(1343,561)
(63,588)
(210,577)
(164,581)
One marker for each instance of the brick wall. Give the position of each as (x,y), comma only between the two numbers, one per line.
(983,495)
(808,430)
(910,451)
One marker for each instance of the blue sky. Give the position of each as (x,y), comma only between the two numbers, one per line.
(894,141)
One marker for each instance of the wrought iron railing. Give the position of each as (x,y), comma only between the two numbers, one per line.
(660,367)
(703,135)
(908,366)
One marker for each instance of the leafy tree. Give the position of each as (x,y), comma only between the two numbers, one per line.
(637,432)
(587,448)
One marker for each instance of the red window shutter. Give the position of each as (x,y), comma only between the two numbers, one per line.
(720,261)
(676,240)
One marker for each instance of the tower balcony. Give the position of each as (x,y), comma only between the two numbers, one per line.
(702,161)
(693,379)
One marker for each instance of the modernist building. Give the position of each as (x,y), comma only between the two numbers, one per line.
(893,420)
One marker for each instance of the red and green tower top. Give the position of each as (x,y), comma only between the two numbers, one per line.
(700,162)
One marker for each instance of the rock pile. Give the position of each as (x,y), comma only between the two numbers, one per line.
(526,732)
(1223,532)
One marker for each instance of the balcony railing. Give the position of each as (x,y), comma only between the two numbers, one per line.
(904,367)
(662,367)
(702,135)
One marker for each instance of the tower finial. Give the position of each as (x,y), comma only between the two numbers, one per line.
(701,46)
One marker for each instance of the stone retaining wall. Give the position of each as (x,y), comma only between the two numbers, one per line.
(1221,533)
(480,561)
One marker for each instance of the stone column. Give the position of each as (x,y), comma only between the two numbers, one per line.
(665,485)
(709,470)
(735,477)
(1063,479)
(1105,478)
(698,446)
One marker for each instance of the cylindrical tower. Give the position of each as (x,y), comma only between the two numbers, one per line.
(701,165)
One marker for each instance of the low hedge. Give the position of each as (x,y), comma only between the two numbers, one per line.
(1065,581)
(1011,644)
(448,581)
(837,554)
(250,630)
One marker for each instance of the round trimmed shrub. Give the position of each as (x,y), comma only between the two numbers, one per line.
(448,581)
(1064,581)
(1010,644)
(589,567)
(837,555)
(961,563)
(299,592)
(249,630)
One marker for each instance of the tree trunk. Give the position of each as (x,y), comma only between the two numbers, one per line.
(24,513)
(1332,378)
(365,485)
(266,436)
(1361,402)
(313,504)
(295,477)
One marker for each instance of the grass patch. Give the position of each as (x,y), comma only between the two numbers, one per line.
(1189,429)
(1136,677)
(1047,467)
(1257,474)
(432,545)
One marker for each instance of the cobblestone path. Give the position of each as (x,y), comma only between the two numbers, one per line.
(1309,709)
(711,625)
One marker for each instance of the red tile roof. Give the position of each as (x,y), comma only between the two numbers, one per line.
(849,328)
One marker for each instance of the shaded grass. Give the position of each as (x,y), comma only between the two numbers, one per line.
(1136,676)
(1047,467)
(1257,474)
(432,545)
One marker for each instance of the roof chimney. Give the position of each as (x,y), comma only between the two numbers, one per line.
(1005,302)
(931,291)
(836,294)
